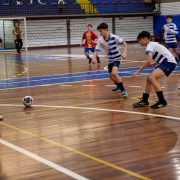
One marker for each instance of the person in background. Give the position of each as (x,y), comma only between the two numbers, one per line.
(60,6)
(17,32)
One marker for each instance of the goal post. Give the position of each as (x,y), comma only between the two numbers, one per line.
(6,32)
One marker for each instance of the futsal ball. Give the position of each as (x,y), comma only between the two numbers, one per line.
(27,101)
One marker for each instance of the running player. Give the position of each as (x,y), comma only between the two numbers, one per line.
(90,38)
(108,43)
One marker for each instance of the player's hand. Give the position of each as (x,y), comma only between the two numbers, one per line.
(135,74)
(152,64)
(93,61)
(169,31)
(124,56)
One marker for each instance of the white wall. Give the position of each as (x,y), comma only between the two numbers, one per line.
(170,8)
(53,32)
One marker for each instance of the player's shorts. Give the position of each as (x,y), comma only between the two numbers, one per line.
(86,50)
(167,67)
(115,63)
(171,45)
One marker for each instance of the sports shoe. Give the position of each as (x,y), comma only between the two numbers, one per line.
(115,89)
(124,93)
(158,105)
(90,61)
(141,103)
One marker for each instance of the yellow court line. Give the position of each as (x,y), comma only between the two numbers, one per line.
(78,152)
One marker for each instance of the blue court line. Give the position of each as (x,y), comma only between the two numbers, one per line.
(67,78)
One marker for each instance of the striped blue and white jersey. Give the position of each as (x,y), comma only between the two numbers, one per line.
(170,33)
(110,47)
(160,53)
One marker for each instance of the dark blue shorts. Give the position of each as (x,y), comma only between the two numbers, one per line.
(86,50)
(167,67)
(171,45)
(115,63)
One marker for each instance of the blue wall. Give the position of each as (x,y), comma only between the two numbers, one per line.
(159,21)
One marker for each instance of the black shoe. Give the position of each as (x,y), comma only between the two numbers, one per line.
(158,105)
(90,61)
(141,103)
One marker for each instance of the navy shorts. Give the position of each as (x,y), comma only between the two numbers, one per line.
(171,45)
(167,67)
(115,63)
(86,50)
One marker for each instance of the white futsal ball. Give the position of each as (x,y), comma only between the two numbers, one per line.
(27,101)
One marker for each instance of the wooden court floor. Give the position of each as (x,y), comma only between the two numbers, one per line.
(77,128)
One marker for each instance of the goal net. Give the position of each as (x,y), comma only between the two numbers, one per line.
(6,35)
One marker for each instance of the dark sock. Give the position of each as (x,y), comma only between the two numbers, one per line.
(89,58)
(120,86)
(98,60)
(160,96)
(145,97)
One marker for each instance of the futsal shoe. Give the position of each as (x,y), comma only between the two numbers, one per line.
(115,89)
(158,105)
(124,93)
(141,103)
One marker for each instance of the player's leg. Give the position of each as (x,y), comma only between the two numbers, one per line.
(17,45)
(98,59)
(116,79)
(165,68)
(86,51)
(144,100)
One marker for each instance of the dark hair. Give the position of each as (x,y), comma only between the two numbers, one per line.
(102,26)
(144,34)
(89,25)
(168,17)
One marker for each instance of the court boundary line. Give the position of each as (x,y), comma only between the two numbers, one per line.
(43,160)
(126,171)
(84,154)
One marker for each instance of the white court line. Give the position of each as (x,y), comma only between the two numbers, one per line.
(44,161)
(97,109)
(110,85)
(88,85)
(135,86)
(66,85)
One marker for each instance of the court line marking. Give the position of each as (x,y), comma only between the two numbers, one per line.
(44,161)
(78,152)
(87,155)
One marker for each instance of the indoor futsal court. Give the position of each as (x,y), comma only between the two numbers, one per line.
(77,128)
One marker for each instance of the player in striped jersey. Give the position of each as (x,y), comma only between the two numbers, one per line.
(108,43)
(166,64)
(170,36)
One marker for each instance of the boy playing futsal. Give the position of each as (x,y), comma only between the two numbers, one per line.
(90,38)
(167,64)
(108,43)
(171,30)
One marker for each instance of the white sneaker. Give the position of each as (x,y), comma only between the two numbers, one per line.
(1,117)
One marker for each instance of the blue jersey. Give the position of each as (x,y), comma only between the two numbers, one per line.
(170,33)
(110,47)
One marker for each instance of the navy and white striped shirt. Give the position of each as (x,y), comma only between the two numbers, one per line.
(110,47)
(170,37)
(160,53)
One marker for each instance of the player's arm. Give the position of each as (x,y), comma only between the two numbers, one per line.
(82,40)
(95,54)
(125,50)
(13,31)
(146,64)
(174,30)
